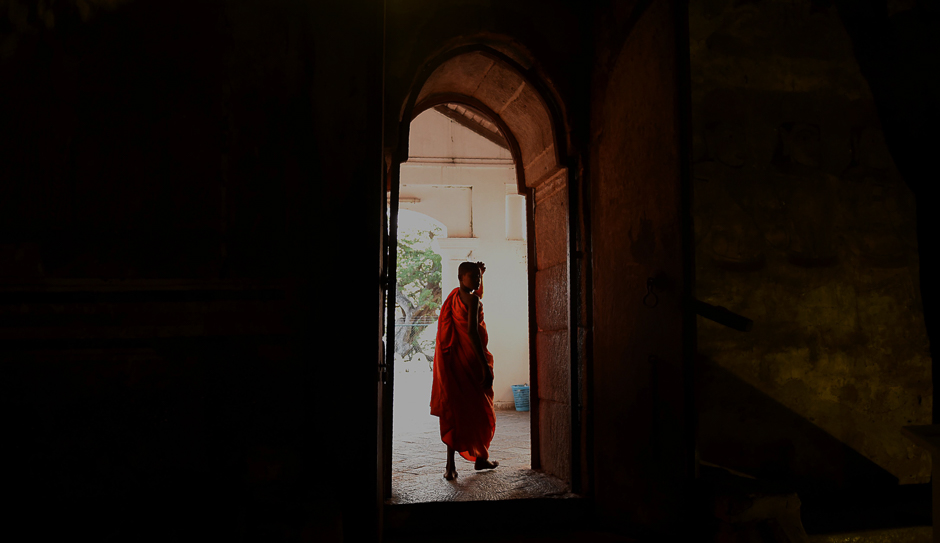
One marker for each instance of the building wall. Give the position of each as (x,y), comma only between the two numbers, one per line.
(469,184)
(804,225)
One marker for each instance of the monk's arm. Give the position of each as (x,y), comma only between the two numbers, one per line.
(474,330)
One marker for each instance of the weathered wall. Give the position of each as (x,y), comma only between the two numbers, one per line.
(552,341)
(802,224)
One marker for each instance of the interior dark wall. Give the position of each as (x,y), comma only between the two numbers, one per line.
(165,264)
(804,224)
(894,44)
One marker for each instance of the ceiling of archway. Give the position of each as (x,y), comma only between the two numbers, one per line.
(473,120)
(506,93)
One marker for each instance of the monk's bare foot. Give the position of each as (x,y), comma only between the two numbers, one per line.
(483,463)
(450,467)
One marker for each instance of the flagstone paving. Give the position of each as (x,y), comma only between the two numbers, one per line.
(418,455)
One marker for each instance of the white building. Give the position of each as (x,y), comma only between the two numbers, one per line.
(467,181)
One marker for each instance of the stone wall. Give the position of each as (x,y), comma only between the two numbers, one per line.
(803,224)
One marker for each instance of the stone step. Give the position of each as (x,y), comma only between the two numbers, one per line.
(516,517)
(738,507)
(914,534)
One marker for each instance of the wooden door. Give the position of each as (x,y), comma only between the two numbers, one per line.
(641,230)
(347,253)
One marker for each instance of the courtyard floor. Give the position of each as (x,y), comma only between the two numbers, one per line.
(418,455)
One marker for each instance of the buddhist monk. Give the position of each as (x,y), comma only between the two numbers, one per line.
(462,390)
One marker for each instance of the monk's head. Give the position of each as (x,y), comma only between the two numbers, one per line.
(469,275)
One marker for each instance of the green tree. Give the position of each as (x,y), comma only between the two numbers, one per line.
(419,290)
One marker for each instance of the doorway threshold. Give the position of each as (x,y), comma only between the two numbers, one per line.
(473,486)
(474,520)
(419,456)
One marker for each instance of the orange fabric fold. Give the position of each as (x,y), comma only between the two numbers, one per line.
(458,398)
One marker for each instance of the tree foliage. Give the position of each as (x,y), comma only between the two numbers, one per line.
(419,290)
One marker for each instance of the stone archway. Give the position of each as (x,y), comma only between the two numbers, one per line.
(492,84)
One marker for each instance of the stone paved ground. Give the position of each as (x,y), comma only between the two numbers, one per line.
(418,455)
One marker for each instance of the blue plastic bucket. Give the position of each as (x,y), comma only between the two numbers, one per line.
(520,394)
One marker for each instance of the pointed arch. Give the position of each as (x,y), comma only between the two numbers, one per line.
(531,119)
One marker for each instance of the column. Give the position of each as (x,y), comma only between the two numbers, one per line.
(515,217)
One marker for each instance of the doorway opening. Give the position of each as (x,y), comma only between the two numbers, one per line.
(459,201)
(495,90)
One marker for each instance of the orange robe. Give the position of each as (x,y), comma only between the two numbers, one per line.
(458,398)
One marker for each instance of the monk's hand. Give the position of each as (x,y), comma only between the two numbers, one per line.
(487,378)
(482,267)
